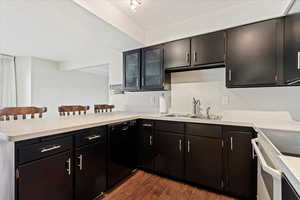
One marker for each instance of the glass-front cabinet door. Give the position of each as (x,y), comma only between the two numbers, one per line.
(131,61)
(152,68)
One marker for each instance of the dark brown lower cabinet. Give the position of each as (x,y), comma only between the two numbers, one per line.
(240,167)
(146,154)
(204,162)
(90,173)
(169,154)
(48,179)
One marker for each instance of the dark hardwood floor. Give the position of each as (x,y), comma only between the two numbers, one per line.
(145,186)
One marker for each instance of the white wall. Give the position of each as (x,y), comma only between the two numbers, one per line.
(23,71)
(7,170)
(138,101)
(209,87)
(52,87)
(239,13)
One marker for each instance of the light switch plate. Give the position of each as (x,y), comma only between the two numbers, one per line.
(152,100)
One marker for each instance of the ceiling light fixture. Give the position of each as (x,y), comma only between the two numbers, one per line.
(134,4)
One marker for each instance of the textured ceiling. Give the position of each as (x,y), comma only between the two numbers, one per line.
(159,13)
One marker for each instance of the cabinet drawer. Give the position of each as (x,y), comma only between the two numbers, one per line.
(168,126)
(145,123)
(90,136)
(43,149)
(205,130)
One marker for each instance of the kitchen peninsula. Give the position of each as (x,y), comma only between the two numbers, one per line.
(38,133)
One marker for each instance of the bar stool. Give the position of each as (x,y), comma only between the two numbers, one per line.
(8,112)
(103,107)
(66,110)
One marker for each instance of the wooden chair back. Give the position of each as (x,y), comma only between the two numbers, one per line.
(103,107)
(9,112)
(66,110)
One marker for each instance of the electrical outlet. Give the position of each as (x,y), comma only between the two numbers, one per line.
(225,100)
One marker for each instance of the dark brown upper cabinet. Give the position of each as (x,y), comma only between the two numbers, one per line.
(153,75)
(203,51)
(254,54)
(177,54)
(131,67)
(208,49)
(292,49)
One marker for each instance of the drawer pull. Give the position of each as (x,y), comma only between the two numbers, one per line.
(93,137)
(69,166)
(180,144)
(50,148)
(150,142)
(147,125)
(125,128)
(231,143)
(80,162)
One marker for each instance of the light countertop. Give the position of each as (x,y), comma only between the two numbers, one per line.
(33,128)
(291,168)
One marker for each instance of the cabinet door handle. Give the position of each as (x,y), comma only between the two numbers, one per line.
(50,148)
(93,137)
(195,56)
(147,125)
(187,57)
(125,128)
(80,162)
(69,166)
(229,74)
(298,60)
(231,143)
(189,146)
(180,145)
(150,142)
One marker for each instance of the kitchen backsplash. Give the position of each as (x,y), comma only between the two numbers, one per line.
(209,87)
(138,101)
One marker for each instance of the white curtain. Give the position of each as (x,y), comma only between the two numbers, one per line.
(8,91)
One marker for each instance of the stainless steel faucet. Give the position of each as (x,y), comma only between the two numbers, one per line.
(208,112)
(196,106)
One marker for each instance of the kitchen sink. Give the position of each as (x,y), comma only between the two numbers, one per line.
(213,117)
(177,115)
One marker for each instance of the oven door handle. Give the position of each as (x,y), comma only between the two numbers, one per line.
(275,173)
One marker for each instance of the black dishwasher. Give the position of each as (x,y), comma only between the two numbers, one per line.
(122,152)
